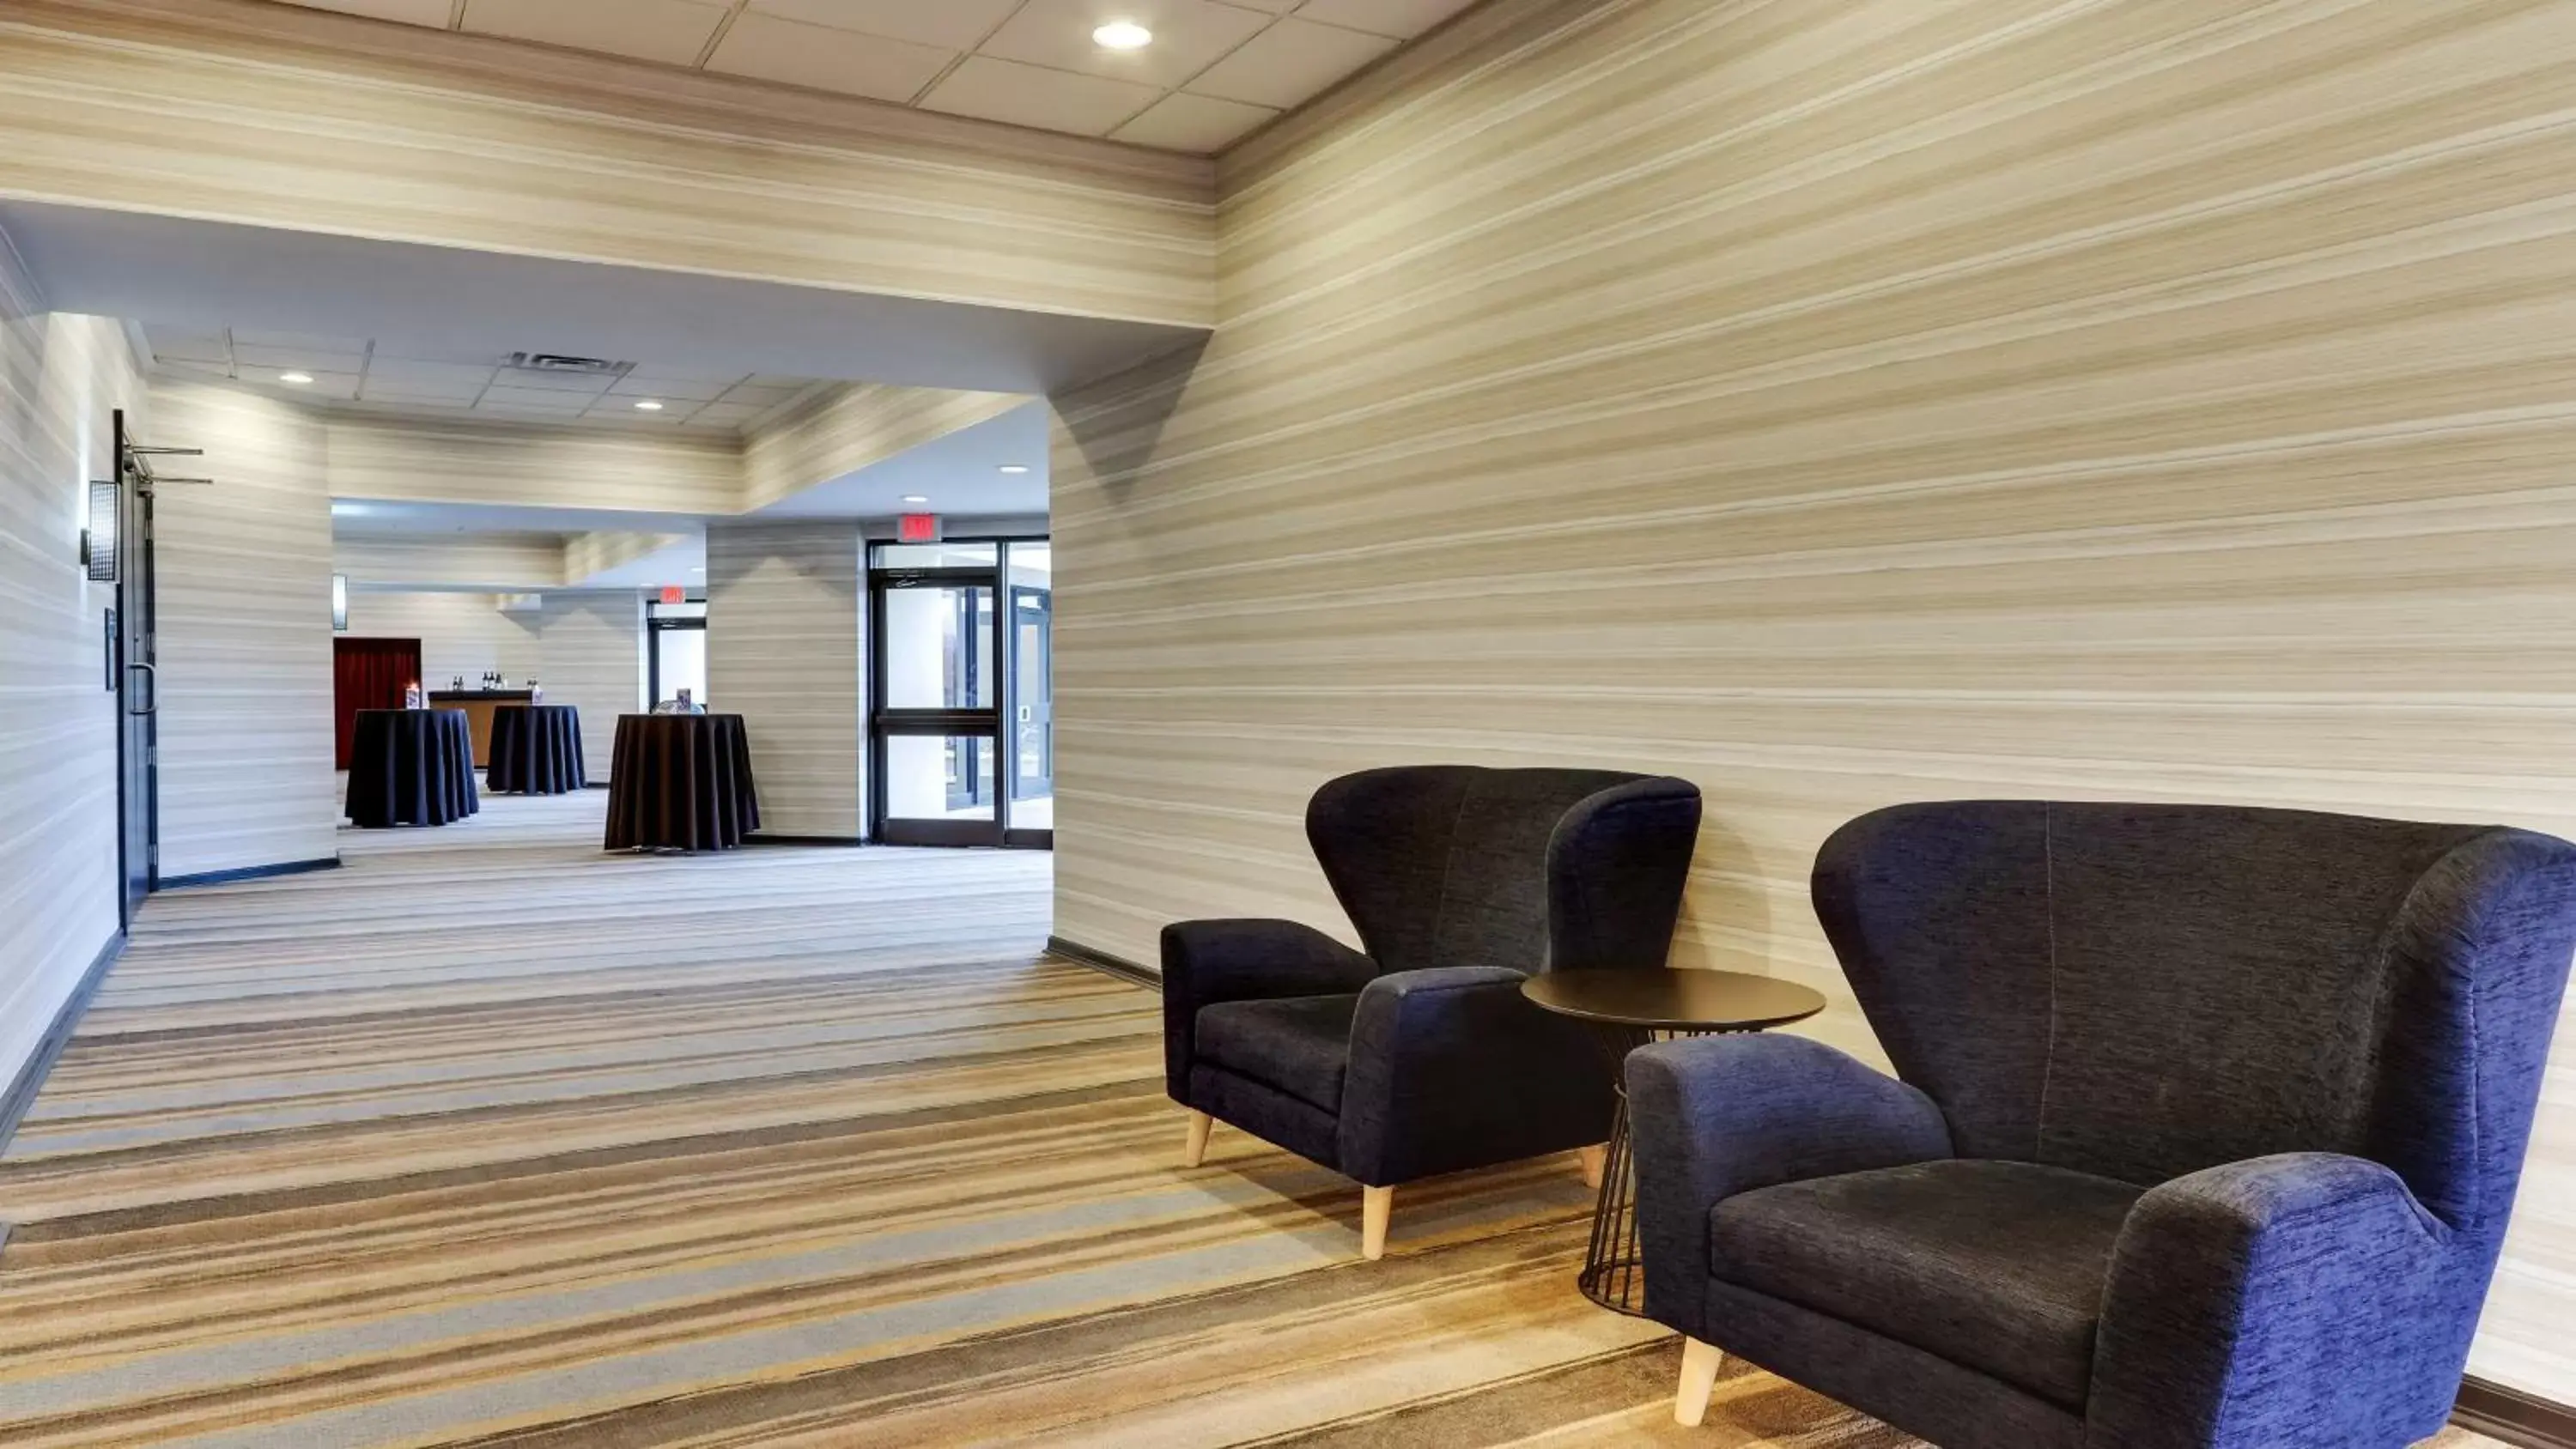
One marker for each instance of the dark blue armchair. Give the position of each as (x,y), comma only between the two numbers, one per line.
(2205,1128)
(1420,1056)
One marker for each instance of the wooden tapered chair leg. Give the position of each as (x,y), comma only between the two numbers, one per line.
(1196,1152)
(1377,1204)
(1595,1157)
(1700,1363)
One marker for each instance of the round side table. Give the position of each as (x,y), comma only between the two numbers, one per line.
(1626,1010)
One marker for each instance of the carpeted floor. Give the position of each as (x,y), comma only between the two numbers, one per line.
(492,1139)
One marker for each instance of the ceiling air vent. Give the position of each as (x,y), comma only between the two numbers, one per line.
(559,363)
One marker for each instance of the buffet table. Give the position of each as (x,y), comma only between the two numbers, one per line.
(680,782)
(411,767)
(536,750)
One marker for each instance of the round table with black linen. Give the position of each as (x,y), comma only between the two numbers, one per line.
(680,782)
(411,767)
(536,750)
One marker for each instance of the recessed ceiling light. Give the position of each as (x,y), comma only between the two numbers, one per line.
(296,378)
(648,406)
(1015,469)
(697,571)
(1123,35)
(915,498)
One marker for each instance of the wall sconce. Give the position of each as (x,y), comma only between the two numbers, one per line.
(98,541)
(339,603)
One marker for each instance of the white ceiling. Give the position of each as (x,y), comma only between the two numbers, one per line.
(1217,69)
(480,386)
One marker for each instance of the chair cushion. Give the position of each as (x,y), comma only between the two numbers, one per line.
(1298,1044)
(1995,1266)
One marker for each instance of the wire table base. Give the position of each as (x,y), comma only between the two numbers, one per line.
(1613,1266)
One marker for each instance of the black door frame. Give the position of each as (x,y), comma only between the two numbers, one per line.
(988,723)
(654,627)
(138,687)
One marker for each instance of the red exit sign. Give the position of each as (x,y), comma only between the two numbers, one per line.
(917,528)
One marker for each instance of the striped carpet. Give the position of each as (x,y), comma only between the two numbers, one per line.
(492,1139)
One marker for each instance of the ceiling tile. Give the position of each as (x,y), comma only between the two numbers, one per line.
(404,375)
(669,388)
(729,415)
(529,399)
(672,31)
(949,24)
(588,384)
(392,397)
(764,47)
(432,13)
(1028,95)
(1189,35)
(299,341)
(1290,63)
(196,369)
(1202,124)
(1403,19)
(325,387)
(182,347)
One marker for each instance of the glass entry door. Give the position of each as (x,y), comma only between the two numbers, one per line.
(938,718)
(951,723)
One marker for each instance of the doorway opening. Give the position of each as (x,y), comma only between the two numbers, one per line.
(962,676)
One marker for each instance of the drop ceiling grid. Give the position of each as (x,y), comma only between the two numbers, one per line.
(1217,70)
(357,371)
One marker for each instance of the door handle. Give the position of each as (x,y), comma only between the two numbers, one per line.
(151,677)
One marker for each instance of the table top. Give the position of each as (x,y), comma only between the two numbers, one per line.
(505,696)
(423,713)
(1674,1000)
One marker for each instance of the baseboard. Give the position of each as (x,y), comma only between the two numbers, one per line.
(1102,961)
(2514,1416)
(49,1047)
(758,838)
(248,872)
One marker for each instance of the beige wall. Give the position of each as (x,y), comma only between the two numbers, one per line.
(61,378)
(173,107)
(459,633)
(784,611)
(244,587)
(500,562)
(853,427)
(431,461)
(1854,402)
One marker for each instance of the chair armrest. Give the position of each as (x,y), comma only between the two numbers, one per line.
(1713,1116)
(1205,962)
(2299,1299)
(1452,1068)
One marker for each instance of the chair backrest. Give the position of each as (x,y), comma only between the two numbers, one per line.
(1454,865)
(2142,991)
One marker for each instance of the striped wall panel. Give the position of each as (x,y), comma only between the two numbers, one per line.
(784,608)
(1851,402)
(500,562)
(173,107)
(852,427)
(245,634)
(429,461)
(461,635)
(61,377)
(590,654)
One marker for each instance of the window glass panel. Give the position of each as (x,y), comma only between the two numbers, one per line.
(680,657)
(939,648)
(929,777)
(1032,724)
(938,555)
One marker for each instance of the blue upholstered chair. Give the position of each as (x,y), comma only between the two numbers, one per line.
(2205,1128)
(1419,1056)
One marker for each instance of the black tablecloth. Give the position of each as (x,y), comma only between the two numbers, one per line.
(536,749)
(411,767)
(680,782)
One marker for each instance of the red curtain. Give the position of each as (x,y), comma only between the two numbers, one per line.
(368,674)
